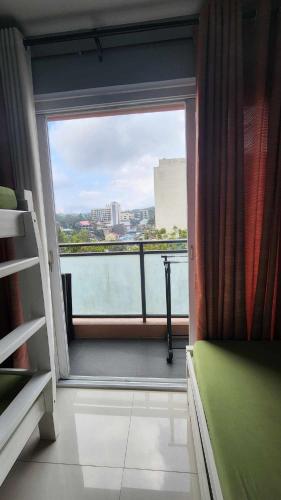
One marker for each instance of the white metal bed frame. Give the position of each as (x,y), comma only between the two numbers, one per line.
(35,403)
(209,482)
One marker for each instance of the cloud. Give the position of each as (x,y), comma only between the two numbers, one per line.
(135,189)
(60,179)
(91,198)
(98,160)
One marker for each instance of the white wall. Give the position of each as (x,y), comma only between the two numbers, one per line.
(170,194)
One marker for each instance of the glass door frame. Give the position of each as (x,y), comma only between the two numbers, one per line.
(110,99)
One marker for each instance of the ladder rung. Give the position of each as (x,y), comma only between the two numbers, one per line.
(11,342)
(11,223)
(14,266)
(21,404)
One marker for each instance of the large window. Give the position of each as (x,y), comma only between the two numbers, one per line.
(120,177)
(120,180)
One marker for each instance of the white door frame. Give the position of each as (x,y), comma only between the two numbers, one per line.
(108,99)
(190,164)
(62,357)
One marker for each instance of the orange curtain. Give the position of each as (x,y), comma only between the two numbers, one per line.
(262,155)
(220,257)
(238,210)
(11,312)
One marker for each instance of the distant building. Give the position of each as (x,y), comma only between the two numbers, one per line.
(141,213)
(170,192)
(110,215)
(84,223)
(126,224)
(143,222)
(126,216)
(115,213)
(102,215)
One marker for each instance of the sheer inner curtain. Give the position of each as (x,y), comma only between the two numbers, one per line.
(238,187)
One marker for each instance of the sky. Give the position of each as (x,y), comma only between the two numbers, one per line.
(102,159)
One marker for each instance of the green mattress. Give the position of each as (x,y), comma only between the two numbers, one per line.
(10,386)
(240,388)
(8,198)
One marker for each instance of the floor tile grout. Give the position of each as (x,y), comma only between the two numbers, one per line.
(110,467)
(162,470)
(129,428)
(125,455)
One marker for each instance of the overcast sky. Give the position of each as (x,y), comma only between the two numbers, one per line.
(99,160)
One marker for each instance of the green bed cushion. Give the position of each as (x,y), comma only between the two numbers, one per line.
(240,388)
(10,386)
(8,198)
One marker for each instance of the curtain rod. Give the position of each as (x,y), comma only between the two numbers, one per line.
(98,33)
(109,31)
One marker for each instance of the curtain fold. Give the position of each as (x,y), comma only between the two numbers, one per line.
(21,137)
(238,198)
(21,123)
(264,321)
(220,259)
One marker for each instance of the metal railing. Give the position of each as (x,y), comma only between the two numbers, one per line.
(140,248)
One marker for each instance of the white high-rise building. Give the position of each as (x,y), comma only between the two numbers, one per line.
(115,213)
(101,215)
(170,191)
(109,215)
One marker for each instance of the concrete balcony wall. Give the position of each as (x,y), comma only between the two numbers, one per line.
(123,328)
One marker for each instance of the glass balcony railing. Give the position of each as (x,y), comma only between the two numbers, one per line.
(125,279)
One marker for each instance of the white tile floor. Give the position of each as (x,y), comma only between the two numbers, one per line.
(113,445)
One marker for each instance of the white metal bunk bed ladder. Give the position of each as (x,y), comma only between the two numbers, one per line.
(34,404)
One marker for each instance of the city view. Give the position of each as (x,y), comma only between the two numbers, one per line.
(166,220)
(120,178)
(121,201)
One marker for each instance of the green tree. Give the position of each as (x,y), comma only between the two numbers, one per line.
(81,236)
(62,237)
(156,235)
(163,234)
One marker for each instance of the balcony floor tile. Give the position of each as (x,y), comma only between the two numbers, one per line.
(125,358)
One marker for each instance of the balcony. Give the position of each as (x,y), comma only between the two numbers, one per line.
(119,306)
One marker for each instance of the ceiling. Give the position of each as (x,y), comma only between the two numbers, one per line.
(36,17)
